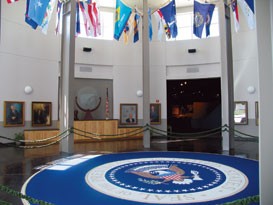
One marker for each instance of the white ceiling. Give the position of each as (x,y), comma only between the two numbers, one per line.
(151,3)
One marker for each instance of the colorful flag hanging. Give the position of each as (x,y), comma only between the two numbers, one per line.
(150,24)
(159,25)
(126,33)
(94,19)
(28,20)
(11,1)
(234,7)
(48,15)
(59,17)
(97,25)
(247,7)
(78,20)
(201,11)
(169,14)
(162,25)
(209,18)
(136,22)
(37,10)
(123,13)
(85,18)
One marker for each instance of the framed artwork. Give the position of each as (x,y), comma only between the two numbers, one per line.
(14,113)
(257,113)
(155,113)
(128,114)
(41,114)
(240,113)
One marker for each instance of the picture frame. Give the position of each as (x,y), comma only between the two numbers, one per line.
(41,113)
(155,113)
(14,113)
(128,114)
(240,113)
(257,113)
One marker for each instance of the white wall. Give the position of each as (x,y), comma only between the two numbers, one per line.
(245,67)
(28,57)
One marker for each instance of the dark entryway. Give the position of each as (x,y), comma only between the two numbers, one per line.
(194,106)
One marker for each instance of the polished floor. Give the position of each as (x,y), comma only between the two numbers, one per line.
(17,165)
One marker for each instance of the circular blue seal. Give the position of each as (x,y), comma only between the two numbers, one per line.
(165,176)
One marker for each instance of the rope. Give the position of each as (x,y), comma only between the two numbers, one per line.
(245,201)
(178,137)
(22,196)
(172,136)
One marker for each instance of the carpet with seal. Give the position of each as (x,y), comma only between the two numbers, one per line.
(138,178)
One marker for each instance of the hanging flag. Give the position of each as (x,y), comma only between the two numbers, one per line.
(28,20)
(96,18)
(136,22)
(169,14)
(128,29)
(247,7)
(123,13)
(84,15)
(107,113)
(48,15)
(126,33)
(59,17)
(209,18)
(162,25)
(78,20)
(200,16)
(150,24)
(37,9)
(234,7)
(11,1)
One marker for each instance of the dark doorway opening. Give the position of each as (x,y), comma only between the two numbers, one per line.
(194,106)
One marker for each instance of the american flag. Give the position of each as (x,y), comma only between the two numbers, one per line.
(11,1)
(107,114)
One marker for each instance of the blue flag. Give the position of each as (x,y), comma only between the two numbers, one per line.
(150,24)
(209,18)
(28,20)
(78,21)
(136,22)
(37,10)
(123,13)
(169,14)
(248,9)
(200,17)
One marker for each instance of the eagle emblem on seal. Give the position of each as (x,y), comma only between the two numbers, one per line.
(171,173)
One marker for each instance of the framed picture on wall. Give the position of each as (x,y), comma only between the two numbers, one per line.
(41,114)
(257,113)
(155,113)
(14,113)
(240,113)
(128,114)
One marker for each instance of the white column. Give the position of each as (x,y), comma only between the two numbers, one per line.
(227,86)
(146,73)
(264,40)
(67,75)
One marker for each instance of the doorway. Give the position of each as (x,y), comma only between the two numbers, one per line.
(194,105)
